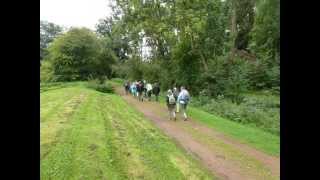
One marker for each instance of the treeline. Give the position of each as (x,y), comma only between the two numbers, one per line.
(212,47)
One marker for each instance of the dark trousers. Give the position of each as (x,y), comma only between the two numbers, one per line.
(149,95)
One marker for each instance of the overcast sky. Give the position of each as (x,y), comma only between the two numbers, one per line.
(78,13)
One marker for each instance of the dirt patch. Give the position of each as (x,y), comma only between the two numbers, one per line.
(218,164)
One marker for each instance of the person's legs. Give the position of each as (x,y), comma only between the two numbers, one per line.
(174,113)
(183,110)
(149,95)
(178,105)
(169,110)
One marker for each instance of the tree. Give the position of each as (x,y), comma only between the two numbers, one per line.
(79,54)
(191,41)
(48,31)
(266,31)
(244,19)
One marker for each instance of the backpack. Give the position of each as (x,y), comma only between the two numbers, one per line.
(172,100)
(185,97)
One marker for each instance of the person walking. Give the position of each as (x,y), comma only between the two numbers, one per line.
(156,90)
(171,104)
(183,99)
(144,88)
(176,94)
(149,91)
(134,89)
(140,91)
(131,88)
(127,87)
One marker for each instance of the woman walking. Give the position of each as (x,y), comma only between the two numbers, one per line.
(171,104)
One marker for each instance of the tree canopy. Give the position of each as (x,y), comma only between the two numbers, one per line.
(79,54)
(214,47)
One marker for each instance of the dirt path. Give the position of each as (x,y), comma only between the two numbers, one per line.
(225,157)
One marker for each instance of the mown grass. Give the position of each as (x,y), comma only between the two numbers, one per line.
(86,134)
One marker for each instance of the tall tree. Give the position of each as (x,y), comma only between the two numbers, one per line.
(48,31)
(80,54)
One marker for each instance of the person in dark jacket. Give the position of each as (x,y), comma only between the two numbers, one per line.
(171,104)
(156,90)
(127,87)
(140,91)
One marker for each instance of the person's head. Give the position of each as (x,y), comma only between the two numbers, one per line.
(169,92)
(182,88)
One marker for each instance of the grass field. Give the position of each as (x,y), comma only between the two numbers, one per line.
(86,134)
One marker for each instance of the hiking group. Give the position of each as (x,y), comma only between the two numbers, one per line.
(142,90)
(176,100)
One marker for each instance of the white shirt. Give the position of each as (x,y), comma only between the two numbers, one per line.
(183,93)
(149,87)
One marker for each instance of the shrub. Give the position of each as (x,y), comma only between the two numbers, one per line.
(79,53)
(261,110)
(46,72)
(118,80)
(237,82)
(101,87)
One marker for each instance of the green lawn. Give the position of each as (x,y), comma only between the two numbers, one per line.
(86,134)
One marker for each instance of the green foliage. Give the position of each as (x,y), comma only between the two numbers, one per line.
(244,12)
(48,31)
(118,80)
(79,54)
(46,72)
(135,71)
(237,80)
(187,68)
(261,111)
(104,87)
(266,31)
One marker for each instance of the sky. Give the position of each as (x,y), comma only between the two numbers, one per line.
(76,13)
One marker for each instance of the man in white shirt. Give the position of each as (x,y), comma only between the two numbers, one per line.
(149,91)
(183,100)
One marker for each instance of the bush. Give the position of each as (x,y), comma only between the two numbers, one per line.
(101,87)
(118,80)
(78,54)
(262,111)
(46,72)
(237,82)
